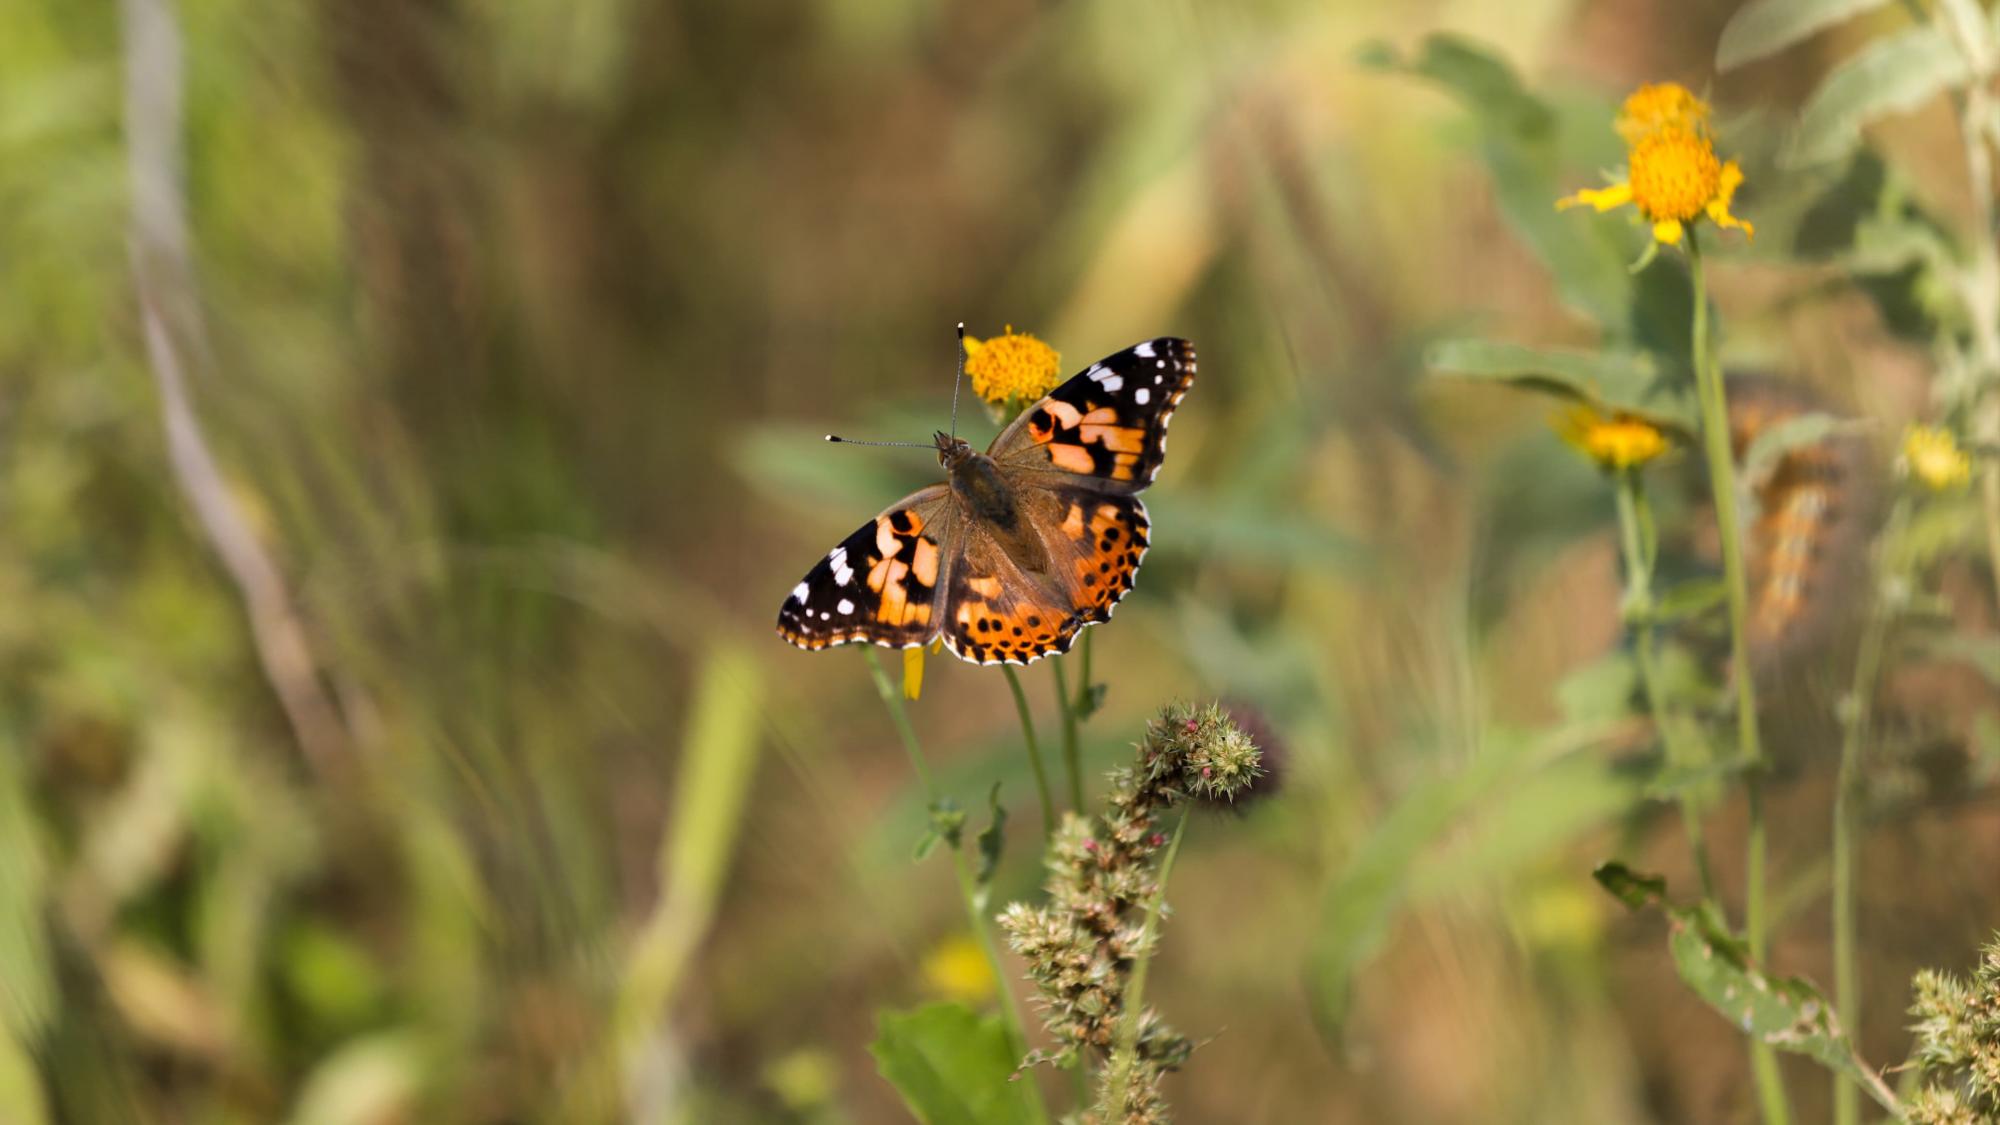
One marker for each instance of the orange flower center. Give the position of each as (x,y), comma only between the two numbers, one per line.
(1674,175)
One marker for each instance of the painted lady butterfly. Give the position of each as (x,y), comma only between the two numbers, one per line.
(1026,543)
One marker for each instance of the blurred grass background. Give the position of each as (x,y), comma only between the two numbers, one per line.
(520,322)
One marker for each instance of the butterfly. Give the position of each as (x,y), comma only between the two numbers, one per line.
(1020,547)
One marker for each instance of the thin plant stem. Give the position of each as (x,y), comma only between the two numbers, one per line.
(1722,484)
(1846,805)
(1034,752)
(1083,689)
(1635,524)
(1070,763)
(968,887)
(1125,1051)
(1982,284)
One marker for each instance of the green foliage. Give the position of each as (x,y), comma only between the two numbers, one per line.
(1609,381)
(951,1066)
(1788,1013)
(1765,27)
(1895,74)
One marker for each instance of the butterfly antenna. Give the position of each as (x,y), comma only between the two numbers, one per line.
(836,438)
(956,383)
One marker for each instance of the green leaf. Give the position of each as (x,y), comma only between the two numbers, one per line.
(1691,598)
(1625,382)
(1788,1013)
(1980,653)
(1896,74)
(1600,690)
(1769,26)
(947,826)
(1792,434)
(952,1067)
(1628,886)
(1530,150)
(990,840)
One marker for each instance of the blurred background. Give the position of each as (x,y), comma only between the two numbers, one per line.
(409,417)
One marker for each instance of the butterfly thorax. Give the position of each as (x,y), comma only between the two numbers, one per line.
(977,482)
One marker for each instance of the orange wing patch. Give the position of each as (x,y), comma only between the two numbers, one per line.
(1116,540)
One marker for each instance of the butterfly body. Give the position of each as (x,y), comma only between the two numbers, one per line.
(1020,547)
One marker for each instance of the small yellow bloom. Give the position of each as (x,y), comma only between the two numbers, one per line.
(1674,174)
(1011,368)
(913,672)
(956,969)
(1614,441)
(1932,456)
(1658,107)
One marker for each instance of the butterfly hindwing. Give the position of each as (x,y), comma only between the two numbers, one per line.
(998,612)
(1108,423)
(880,585)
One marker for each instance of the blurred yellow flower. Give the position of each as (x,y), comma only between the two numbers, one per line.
(1614,441)
(1013,367)
(1661,106)
(1932,456)
(1674,176)
(956,969)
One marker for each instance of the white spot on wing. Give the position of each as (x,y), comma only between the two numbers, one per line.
(1142,396)
(845,606)
(1144,350)
(799,592)
(1109,380)
(842,573)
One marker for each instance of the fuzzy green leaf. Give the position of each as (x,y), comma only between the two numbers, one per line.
(1896,74)
(1768,26)
(1613,381)
(1788,1013)
(952,1067)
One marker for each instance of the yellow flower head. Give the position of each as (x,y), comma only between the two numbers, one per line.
(1932,456)
(1674,176)
(1614,441)
(1011,368)
(957,969)
(1660,107)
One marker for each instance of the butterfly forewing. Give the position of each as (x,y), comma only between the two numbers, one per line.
(1107,424)
(880,585)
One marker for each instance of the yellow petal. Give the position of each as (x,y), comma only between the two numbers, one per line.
(1604,199)
(972,346)
(913,671)
(1668,232)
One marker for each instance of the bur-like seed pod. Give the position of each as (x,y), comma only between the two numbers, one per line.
(1103,872)
(1958,1044)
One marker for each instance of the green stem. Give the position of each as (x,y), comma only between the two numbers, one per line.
(1846,805)
(1722,483)
(1635,523)
(1125,1053)
(969,891)
(1034,751)
(1070,762)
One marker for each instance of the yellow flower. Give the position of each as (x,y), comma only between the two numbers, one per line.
(913,669)
(956,969)
(1932,456)
(1658,107)
(1011,368)
(1614,441)
(1674,175)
